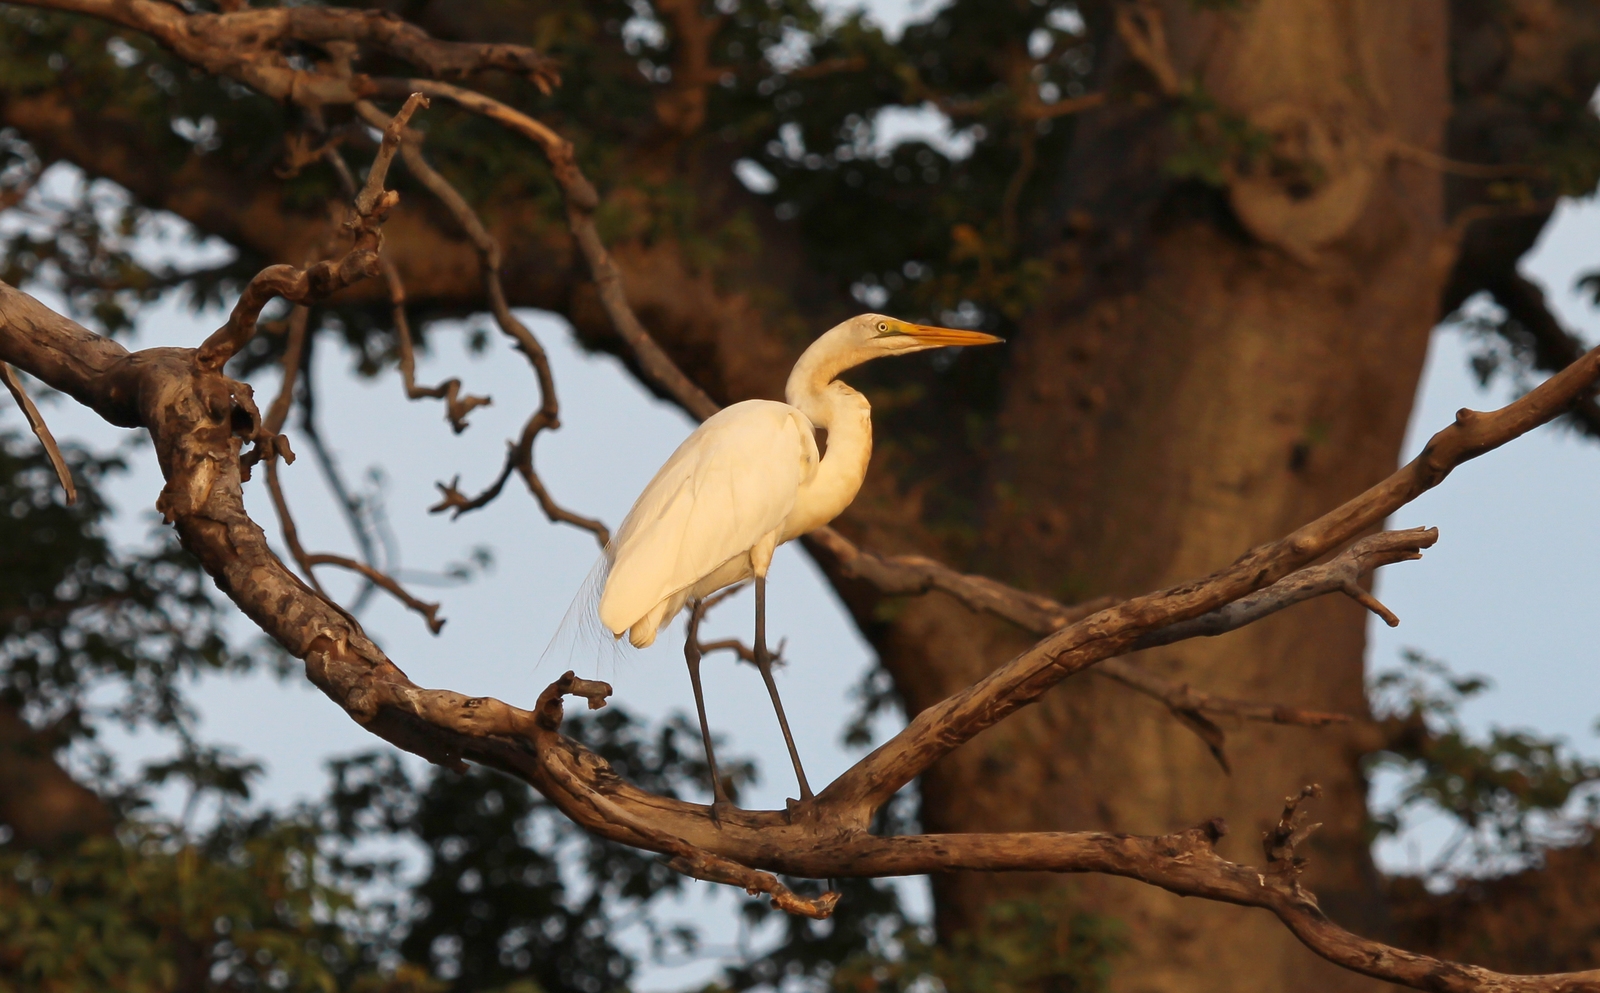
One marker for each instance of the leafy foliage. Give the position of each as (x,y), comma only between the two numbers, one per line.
(499,900)
(1511,793)
(1021,946)
(153,910)
(89,633)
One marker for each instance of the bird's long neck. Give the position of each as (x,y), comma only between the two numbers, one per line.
(847,417)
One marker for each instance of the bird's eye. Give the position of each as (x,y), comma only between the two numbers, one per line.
(882,326)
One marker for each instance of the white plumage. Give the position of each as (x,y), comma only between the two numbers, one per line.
(727,492)
(747,480)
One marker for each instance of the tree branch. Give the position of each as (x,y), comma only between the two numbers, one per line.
(519,456)
(199,420)
(456,406)
(319,281)
(1548,345)
(582,201)
(937,730)
(243,44)
(41,430)
(914,575)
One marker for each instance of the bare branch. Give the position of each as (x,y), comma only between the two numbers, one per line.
(1186,863)
(41,430)
(198,447)
(913,575)
(456,405)
(273,423)
(582,201)
(242,43)
(1280,843)
(743,651)
(293,350)
(350,505)
(1072,105)
(519,456)
(519,459)
(371,202)
(1127,626)
(1550,346)
(373,195)
(429,611)
(291,533)
(687,858)
(319,281)
(1191,707)
(740,650)
(1344,570)
(1142,28)
(1342,574)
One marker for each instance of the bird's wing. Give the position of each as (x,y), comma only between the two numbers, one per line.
(729,484)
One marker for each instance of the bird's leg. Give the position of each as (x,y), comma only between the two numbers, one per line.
(691,655)
(764,663)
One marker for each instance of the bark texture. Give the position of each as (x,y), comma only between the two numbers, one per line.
(1213,391)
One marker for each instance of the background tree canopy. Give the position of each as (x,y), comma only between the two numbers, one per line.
(1217,236)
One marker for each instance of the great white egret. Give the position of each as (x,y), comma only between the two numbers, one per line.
(747,480)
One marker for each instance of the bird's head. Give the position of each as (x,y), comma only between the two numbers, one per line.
(877,334)
(863,338)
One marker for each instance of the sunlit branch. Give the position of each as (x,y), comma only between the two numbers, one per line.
(41,430)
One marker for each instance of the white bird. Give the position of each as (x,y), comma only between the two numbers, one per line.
(747,480)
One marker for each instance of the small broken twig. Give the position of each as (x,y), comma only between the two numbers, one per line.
(1280,843)
(41,430)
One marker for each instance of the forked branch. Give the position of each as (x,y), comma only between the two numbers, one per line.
(519,455)
(322,280)
(198,443)
(199,421)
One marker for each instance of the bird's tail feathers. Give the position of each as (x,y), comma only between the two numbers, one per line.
(582,643)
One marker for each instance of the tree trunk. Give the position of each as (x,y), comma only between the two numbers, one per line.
(1215,360)
(1224,388)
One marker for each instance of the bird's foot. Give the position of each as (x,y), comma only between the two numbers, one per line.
(721,809)
(791,806)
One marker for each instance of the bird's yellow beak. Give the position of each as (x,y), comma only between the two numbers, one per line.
(947,337)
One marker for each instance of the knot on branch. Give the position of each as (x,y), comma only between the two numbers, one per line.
(1280,843)
(1204,835)
(549,709)
(266,443)
(268,446)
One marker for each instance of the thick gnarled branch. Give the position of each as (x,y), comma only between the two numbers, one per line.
(199,421)
(244,45)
